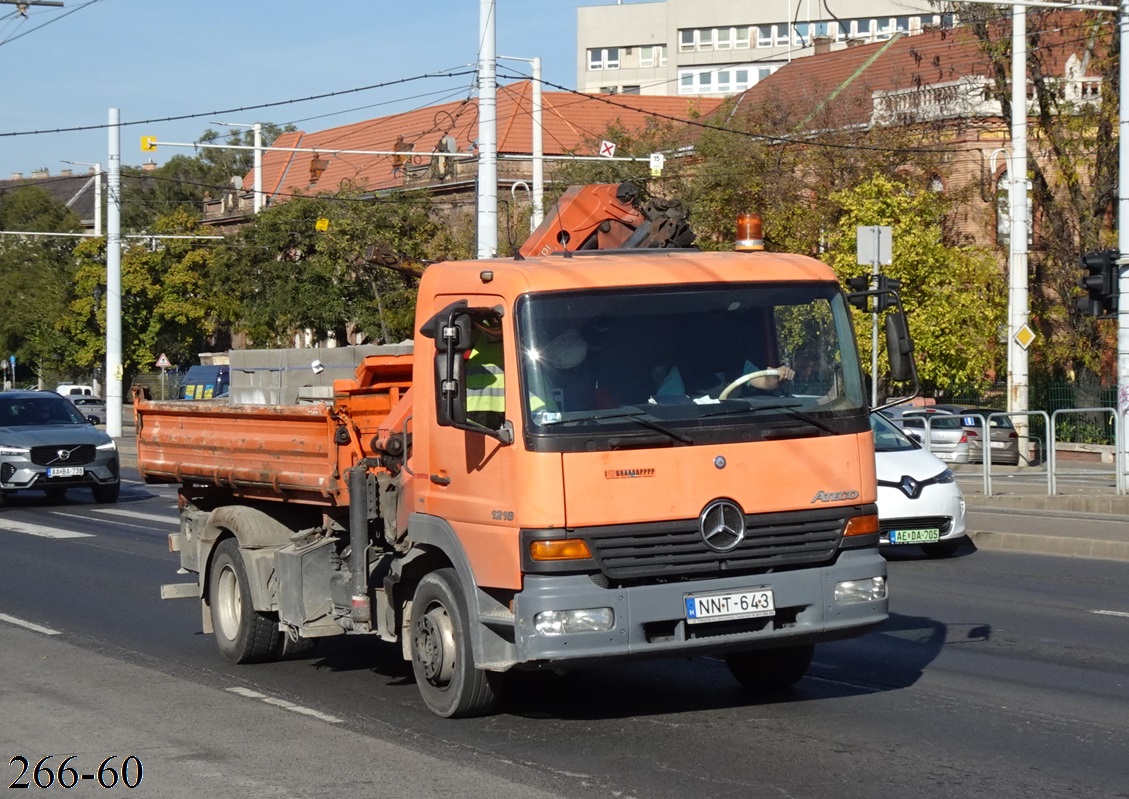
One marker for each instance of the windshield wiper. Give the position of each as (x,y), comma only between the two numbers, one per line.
(789,408)
(634,414)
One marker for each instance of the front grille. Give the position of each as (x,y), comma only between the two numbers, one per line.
(76,455)
(942,523)
(674,550)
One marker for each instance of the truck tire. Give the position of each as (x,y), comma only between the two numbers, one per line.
(770,669)
(243,634)
(442,659)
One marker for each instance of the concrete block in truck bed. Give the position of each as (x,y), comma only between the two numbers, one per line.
(283,376)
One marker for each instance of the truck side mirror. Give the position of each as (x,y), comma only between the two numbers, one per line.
(899,348)
(452,340)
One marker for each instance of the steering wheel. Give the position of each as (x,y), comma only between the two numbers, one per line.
(743,379)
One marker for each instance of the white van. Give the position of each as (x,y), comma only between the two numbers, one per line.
(75,390)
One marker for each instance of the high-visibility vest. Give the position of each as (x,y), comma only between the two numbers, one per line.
(486,380)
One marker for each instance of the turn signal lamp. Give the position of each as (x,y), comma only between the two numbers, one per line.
(559,549)
(862,525)
(749,236)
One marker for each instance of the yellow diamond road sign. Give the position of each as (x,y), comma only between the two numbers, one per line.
(1024,336)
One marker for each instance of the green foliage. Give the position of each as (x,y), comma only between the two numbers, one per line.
(356,275)
(954,296)
(35,278)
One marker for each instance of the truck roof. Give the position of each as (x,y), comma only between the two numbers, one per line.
(603,269)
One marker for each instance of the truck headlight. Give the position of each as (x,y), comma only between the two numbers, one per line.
(564,622)
(850,592)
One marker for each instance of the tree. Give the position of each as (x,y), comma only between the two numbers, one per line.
(356,274)
(954,296)
(35,276)
(1073,143)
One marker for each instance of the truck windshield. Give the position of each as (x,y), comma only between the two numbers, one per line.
(690,360)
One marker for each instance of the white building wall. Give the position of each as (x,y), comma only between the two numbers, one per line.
(722,47)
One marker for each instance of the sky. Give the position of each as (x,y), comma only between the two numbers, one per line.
(66,67)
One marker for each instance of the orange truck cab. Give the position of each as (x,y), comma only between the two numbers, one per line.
(582,457)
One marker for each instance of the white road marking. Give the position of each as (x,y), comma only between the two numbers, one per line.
(1120,613)
(136,514)
(282,703)
(9,526)
(27,624)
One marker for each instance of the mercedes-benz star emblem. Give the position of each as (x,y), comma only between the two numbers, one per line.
(723,525)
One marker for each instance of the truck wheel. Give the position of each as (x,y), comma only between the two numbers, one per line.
(442,659)
(107,493)
(770,669)
(242,633)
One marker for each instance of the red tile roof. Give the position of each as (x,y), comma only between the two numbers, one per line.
(571,121)
(839,87)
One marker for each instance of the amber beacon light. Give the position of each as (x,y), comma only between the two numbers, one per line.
(749,237)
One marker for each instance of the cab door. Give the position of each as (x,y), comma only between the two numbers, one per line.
(472,477)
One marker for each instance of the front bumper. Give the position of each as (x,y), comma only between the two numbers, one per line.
(651,619)
(19,473)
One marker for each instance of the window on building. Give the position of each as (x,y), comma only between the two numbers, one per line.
(781,34)
(609,90)
(718,80)
(652,56)
(686,40)
(705,38)
(843,30)
(905,24)
(741,38)
(723,40)
(603,58)
(764,36)
(632,90)
(801,34)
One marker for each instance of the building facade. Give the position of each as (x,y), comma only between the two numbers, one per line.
(723,47)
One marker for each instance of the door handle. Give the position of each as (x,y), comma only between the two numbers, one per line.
(440,479)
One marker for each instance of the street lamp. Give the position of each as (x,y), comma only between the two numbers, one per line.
(538,149)
(97,192)
(258,130)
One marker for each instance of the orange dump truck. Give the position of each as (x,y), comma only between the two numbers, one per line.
(581,457)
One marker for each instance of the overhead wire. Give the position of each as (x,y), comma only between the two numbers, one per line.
(48,22)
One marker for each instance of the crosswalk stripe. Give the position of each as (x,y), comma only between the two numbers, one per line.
(38,529)
(134,514)
(27,624)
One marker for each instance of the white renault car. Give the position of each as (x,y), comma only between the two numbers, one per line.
(919,501)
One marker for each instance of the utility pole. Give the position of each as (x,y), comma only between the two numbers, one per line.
(257,129)
(114,373)
(1017,239)
(538,150)
(97,193)
(487,132)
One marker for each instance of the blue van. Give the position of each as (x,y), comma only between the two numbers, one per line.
(205,382)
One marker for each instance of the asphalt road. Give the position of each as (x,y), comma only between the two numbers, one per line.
(998,675)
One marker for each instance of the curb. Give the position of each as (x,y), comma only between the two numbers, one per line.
(1031,544)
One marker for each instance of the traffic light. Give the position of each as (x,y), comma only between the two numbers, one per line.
(858,284)
(886,301)
(1101,282)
